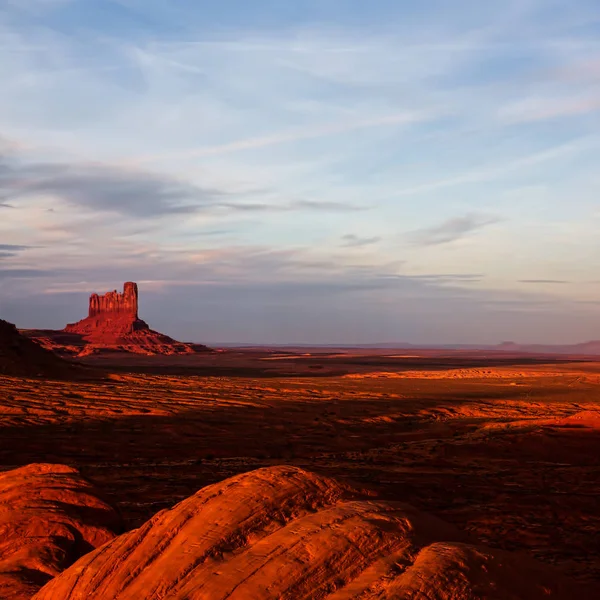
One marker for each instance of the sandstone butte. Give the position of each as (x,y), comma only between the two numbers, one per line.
(112,324)
(49,517)
(19,356)
(285,533)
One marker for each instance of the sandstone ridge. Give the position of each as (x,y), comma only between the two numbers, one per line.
(285,533)
(49,517)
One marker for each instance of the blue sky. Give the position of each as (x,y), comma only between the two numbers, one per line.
(308,171)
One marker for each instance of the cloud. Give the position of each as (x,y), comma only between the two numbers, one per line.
(326,205)
(328,129)
(27,273)
(103,188)
(451,230)
(287,295)
(351,240)
(545,281)
(295,205)
(450,277)
(10,250)
(540,109)
(13,247)
(135,193)
(492,172)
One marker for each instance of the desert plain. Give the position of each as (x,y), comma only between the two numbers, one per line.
(506,447)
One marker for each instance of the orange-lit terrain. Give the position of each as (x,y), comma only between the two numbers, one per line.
(505,448)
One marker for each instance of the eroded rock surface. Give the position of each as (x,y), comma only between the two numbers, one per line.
(112,325)
(282,532)
(115,303)
(21,356)
(49,517)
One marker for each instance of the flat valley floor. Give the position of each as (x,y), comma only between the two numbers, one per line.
(507,448)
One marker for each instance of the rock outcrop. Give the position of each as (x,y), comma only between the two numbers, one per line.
(112,317)
(115,303)
(112,325)
(19,356)
(49,517)
(285,533)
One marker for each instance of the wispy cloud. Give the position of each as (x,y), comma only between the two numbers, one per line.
(330,129)
(545,281)
(287,206)
(27,273)
(451,230)
(106,189)
(490,172)
(540,109)
(134,192)
(12,250)
(351,240)
(13,247)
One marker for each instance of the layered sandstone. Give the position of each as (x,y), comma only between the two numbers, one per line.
(113,324)
(111,317)
(115,303)
(285,533)
(49,517)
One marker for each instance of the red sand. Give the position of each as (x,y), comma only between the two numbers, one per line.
(507,450)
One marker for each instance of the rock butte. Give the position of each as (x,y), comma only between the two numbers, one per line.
(112,324)
(285,533)
(49,517)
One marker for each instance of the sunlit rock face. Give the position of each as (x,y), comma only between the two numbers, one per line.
(286,533)
(113,324)
(116,303)
(111,316)
(49,517)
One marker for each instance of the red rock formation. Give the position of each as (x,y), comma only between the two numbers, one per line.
(284,533)
(111,316)
(49,517)
(113,324)
(113,302)
(20,356)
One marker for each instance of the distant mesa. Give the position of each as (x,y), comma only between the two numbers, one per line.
(112,325)
(112,317)
(113,302)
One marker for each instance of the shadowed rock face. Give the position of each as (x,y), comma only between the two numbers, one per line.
(284,533)
(20,356)
(49,517)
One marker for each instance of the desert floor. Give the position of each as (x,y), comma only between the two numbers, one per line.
(507,448)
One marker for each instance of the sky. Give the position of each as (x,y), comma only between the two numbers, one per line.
(316,171)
